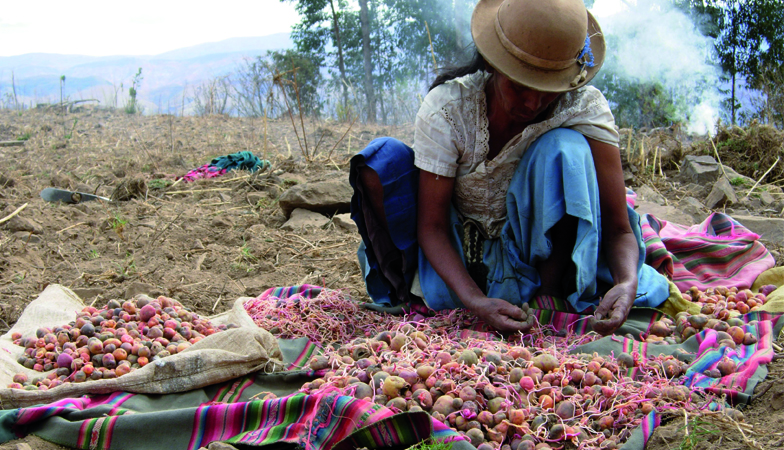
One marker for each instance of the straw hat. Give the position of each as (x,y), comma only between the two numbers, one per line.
(540,44)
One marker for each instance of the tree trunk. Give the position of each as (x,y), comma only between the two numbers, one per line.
(733,97)
(461,25)
(341,65)
(364,20)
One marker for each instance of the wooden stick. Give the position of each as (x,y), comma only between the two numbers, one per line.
(655,157)
(12,143)
(718,158)
(763,176)
(11,216)
(234,179)
(318,248)
(72,226)
(302,239)
(329,155)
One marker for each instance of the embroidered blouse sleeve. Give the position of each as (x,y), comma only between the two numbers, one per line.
(435,143)
(594,118)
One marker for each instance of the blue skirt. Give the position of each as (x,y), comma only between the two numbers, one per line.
(555,177)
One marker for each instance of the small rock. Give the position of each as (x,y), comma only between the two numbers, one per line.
(254,231)
(700,169)
(137,287)
(23,446)
(722,194)
(255,197)
(751,203)
(691,201)
(694,208)
(737,178)
(695,190)
(766,198)
(221,222)
(647,193)
(224,197)
(302,219)
(198,245)
(22,224)
(344,221)
(27,237)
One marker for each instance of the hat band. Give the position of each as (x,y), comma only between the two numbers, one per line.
(522,55)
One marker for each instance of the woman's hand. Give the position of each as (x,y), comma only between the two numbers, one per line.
(614,308)
(500,315)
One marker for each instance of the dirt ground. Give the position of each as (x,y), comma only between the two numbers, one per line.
(209,242)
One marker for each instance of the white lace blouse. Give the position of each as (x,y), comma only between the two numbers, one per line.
(451,140)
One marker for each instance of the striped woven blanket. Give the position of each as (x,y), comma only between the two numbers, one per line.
(717,252)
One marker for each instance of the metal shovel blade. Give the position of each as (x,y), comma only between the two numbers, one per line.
(66,196)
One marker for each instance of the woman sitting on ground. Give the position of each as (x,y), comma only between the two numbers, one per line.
(514,189)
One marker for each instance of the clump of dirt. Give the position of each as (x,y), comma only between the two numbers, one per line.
(130,189)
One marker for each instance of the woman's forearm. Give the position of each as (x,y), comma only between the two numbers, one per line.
(447,263)
(622,254)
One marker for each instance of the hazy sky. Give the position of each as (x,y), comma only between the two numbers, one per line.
(138,27)
(145,27)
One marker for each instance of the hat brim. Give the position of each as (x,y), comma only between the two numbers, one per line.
(493,51)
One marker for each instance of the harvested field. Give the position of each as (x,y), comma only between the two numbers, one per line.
(212,241)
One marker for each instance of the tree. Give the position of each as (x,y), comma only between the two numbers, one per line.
(252,85)
(299,77)
(319,35)
(749,38)
(364,20)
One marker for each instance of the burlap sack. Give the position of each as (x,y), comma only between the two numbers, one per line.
(216,358)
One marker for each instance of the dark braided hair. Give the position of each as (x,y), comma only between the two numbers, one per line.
(475,64)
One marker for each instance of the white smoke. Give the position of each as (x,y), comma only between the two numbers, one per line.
(656,42)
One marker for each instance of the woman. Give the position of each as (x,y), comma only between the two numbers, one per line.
(514,188)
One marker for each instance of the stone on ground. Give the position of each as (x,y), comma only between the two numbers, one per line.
(344,221)
(326,197)
(722,194)
(302,219)
(700,169)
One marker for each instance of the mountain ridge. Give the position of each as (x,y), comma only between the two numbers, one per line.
(36,76)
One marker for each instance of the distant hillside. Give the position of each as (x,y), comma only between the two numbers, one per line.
(165,76)
(233,45)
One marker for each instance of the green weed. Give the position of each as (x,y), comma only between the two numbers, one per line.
(23,137)
(739,181)
(93,254)
(241,267)
(128,267)
(117,223)
(698,431)
(430,445)
(246,254)
(159,183)
(69,135)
